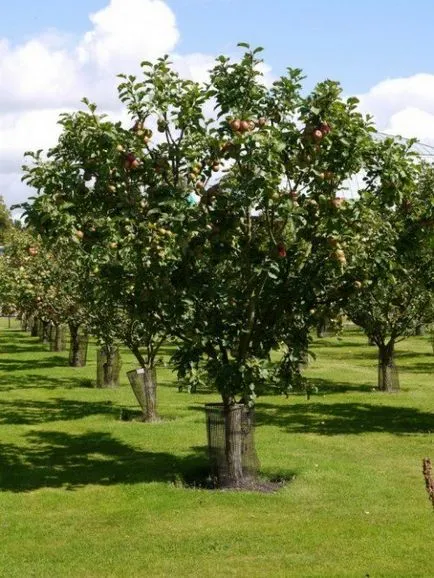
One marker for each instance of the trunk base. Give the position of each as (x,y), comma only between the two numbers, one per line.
(78,348)
(233,459)
(144,384)
(108,367)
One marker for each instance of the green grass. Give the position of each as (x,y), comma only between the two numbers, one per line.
(83,494)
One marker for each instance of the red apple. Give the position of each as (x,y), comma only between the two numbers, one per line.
(324,127)
(317,135)
(235,124)
(337,202)
(281,249)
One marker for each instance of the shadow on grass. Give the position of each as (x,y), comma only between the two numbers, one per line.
(37,381)
(31,412)
(17,342)
(344,418)
(419,367)
(26,364)
(326,386)
(373,354)
(57,459)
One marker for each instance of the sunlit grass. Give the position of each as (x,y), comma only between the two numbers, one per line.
(85,494)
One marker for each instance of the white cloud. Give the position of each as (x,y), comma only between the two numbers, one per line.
(51,73)
(403,106)
(125,32)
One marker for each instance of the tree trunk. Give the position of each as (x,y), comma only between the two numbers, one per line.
(387,370)
(144,384)
(35,327)
(233,448)
(321,329)
(78,347)
(57,341)
(28,321)
(44,327)
(231,445)
(420,330)
(108,366)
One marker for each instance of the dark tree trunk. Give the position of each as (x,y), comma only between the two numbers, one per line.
(44,327)
(231,445)
(321,329)
(28,322)
(144,384)
(57,341)
(387,370)
(78,347)
(108,366)
(35,327)
(420,330)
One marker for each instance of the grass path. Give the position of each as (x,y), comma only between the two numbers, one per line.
(83,494)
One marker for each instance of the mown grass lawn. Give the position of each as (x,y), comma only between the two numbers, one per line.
(84,494)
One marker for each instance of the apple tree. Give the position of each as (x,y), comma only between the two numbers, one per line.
(395,256)
(123,195)
(272,232)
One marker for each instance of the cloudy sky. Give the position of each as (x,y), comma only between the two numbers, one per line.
(53,53)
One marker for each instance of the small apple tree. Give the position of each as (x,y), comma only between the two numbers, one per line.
(124,196)
(395,255)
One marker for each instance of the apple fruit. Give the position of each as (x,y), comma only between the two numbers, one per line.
(337,202)
(274,195)
(235,124)
(340,256)
(317,135)
(281,250)
(161,125)
(79,234)
(332,241)
(262,121)
(324,127)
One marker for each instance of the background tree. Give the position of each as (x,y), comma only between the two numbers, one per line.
(124,197)
(395,271)
(5,220)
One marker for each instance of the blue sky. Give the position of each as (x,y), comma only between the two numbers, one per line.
(54,52)
(356,42)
